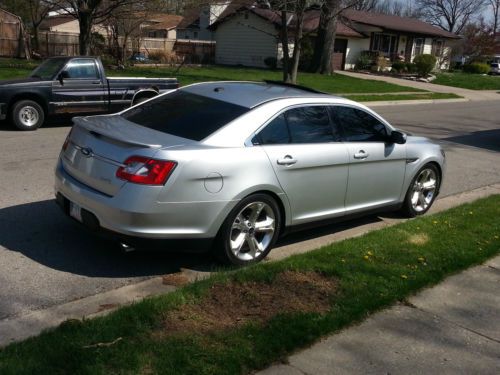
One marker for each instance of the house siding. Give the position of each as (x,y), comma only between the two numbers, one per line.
(247,42)
(354,48)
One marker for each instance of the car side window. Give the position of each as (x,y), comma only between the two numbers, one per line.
(309,125)
(300,125)
(358,125)
(82,69)
(276,132)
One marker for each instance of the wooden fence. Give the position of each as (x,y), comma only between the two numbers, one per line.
(11,38)
(58,44)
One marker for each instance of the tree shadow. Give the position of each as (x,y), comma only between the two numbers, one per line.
(486,139)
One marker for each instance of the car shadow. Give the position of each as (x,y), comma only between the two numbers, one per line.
(486,139)
(41,232)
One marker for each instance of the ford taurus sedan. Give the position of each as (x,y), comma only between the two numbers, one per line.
(232,165)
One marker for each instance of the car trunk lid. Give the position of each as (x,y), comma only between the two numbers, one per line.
(99,145)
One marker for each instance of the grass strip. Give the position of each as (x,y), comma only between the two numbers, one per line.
(468,81)
(392,97)
(12,68)
(370,272)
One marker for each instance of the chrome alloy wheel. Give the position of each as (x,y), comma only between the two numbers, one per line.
(28,116)
(423,190)
(252,231)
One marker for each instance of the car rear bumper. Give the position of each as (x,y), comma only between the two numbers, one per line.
(3,111)
(120,216)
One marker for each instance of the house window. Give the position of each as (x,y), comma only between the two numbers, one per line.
(195,34)
(438,47)
(385,43)
(419,46)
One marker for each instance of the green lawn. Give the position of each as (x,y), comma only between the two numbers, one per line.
(391,97)
(10,68)
(195,331)
(332,84)
(468,81)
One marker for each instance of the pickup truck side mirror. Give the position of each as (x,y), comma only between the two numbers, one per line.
(62,76)
(397,137)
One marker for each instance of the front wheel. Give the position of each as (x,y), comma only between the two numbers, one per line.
(422,191)
(249,232)
(27,115)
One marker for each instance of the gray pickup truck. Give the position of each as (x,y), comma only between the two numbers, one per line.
(73,85)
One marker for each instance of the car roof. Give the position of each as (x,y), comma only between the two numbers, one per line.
(251,94)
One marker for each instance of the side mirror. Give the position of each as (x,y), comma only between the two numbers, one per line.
(397,137)
(62,76)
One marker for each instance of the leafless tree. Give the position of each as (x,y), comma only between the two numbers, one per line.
(495,7)
(90,13)
(450,15)
(366,5)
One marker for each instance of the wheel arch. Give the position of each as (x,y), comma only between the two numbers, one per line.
(279,202)
(28,96)
(145,93)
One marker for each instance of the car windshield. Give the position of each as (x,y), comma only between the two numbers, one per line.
(185,115)
(495,65)
(49,68)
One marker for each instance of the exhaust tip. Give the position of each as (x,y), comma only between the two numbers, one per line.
(126,248)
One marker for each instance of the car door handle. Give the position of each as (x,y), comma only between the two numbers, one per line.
(361,154)
(96,82)
(287,160)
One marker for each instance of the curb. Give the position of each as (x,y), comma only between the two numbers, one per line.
(20,327)
(412,102)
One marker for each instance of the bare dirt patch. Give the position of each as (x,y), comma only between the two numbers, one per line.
(234,304)
(419,239)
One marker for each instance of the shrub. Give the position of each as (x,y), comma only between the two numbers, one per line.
(425,64)
(477,68)
(364,62)
(271,62)
(411,67)
(399,66)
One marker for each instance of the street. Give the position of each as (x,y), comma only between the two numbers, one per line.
(47,260)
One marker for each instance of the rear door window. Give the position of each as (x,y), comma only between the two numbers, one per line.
(185,115)
(309,124)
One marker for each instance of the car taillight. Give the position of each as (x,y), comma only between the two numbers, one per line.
(66,141)
(146,171)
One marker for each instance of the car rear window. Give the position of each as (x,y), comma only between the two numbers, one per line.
(495,65)
(185,115)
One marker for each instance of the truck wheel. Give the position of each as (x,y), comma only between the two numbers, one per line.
(27,115)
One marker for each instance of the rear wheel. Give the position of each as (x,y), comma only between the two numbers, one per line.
(27,115)
(249,232)
(422,191)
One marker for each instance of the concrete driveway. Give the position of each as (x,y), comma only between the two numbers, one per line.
(47,260)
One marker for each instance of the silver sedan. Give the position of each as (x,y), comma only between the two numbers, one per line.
(231,165)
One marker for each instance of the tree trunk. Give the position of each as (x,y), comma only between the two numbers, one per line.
(85,19)
(325,40)
(284,46)
(36,43)
(299,26)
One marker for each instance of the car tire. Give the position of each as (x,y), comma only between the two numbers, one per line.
(422,191)
(27,115)
(249,231)
(142,99)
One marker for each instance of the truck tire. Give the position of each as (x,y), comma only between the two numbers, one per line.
(27,115)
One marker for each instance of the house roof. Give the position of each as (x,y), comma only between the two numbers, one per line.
(347,24)
(396,23)
(311,19)
(164,21)
(191,18)
(52,21)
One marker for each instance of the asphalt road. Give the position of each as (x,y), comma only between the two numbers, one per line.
(45,259)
